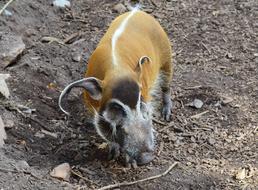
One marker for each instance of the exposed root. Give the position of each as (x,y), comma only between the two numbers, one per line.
(138,181)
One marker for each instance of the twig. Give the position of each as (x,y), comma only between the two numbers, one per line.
(188,134)
(84,178)
(159,122)
(20,171)
(202,126)
(161,148)
(138,181)
(70,39)
(193,87)
(50,39)
(5,6)
(206,47)
(199,115)
(14,107)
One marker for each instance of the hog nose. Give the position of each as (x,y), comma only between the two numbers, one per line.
(145,158)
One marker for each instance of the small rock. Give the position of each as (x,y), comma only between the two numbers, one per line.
(62,3)
(241,174)
(197,103)
(120,8)
(11,46)
(218,104)
(62,171)
(229,55)
(211,141)
(77,57)
(226,100)
(9,123)
(7,13)
(22,165)
(4,90)
(2,133)
(103,145)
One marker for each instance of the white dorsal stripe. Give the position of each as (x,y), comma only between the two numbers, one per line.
(118,33)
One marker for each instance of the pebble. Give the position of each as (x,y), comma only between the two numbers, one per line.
(120,8)
(7,13)
(226,99)
(241,174)
(22,165)
(61,3)
(197,103)
(11,46)
(2,133)
(77,57)
(9,123)
(229,55)
(62,171)
(4,90)
(211,141)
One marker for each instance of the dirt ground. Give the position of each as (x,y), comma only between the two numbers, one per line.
(215,57)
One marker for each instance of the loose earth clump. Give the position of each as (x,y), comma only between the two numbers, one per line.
(215,58)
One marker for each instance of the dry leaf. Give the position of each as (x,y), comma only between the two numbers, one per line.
(102,145)
(2,133)
(51,86)
(241,174)
(62,171)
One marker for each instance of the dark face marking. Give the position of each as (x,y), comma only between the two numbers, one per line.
(127,91)
(121,122)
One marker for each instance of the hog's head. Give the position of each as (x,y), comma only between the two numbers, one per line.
(121,115)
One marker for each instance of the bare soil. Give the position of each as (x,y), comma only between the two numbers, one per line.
(215,57)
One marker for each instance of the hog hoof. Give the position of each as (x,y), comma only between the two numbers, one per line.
(114,151)
(166,111)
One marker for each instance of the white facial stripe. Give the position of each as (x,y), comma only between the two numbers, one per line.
(138,106)
(118,33)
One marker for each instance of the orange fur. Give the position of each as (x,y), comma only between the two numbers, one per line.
(143,36)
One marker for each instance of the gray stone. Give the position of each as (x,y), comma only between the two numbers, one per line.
(11,46)
(197,103)
(61,3)
(22,165)
(120,8)
(4,90)
(2,133)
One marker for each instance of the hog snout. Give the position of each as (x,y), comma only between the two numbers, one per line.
(145,158)
(138,159)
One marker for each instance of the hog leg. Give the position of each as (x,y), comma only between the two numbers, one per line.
(166,78)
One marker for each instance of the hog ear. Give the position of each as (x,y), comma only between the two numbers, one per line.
(143,60)
(92,85)
(115,112)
